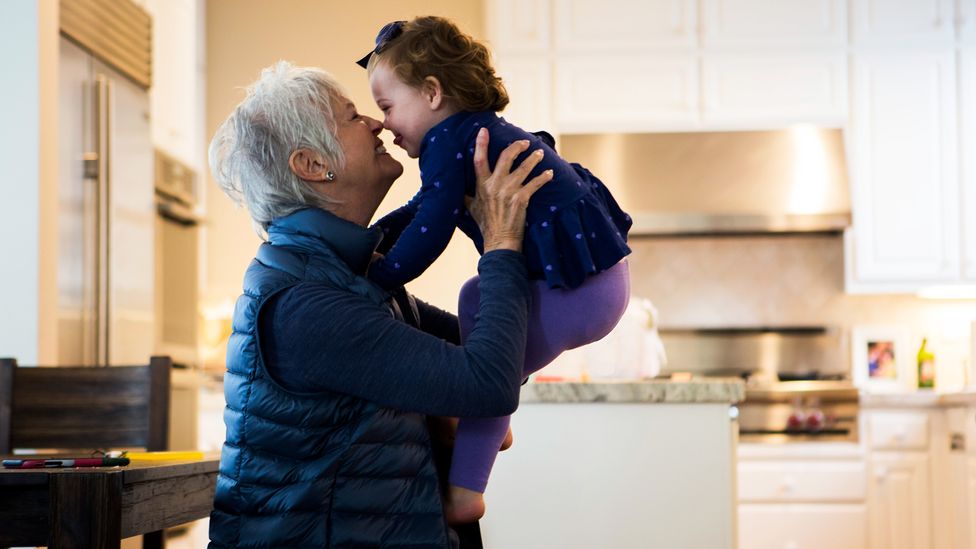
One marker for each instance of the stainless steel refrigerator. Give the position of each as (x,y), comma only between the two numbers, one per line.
(106,214)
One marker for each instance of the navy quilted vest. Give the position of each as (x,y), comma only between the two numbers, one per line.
(324,469)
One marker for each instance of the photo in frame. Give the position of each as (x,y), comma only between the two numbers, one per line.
(882,359)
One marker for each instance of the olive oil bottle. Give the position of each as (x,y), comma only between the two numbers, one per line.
(926,366)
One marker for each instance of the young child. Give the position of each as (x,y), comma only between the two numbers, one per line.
(437,89)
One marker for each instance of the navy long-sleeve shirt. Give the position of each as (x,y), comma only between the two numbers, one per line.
(314,337)
(574,226)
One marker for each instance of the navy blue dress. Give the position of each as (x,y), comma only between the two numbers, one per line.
(574,226)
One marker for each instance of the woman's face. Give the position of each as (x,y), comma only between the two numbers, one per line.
(368,166)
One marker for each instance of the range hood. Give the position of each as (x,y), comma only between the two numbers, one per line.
(742,182)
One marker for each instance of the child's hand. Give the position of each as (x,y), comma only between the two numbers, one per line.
(500,198)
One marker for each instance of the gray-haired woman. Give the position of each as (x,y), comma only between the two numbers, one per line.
(329,378)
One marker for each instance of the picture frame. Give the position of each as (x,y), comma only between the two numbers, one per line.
(882,360)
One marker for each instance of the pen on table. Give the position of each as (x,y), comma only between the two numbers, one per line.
(65,462)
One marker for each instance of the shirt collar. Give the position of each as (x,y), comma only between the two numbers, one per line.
(313,228)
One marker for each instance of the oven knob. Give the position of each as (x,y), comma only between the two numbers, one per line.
(815,421)
(796,421)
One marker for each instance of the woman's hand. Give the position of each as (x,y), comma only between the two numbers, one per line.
(500,198)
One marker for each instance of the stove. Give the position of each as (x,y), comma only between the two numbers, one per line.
(799,411)
(798,386)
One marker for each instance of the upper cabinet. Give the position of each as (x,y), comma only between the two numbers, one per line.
(660,94)
(177,93)
(751,23)
(588,26)
(967,146)
(518,27)
(966,21)
(774,89)
(528,82)
(883,22)
(903,167)
(663,65)
(898,75)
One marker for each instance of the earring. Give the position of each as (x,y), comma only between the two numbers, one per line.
(330,175)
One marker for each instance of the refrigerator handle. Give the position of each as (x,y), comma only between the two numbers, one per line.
(102,209)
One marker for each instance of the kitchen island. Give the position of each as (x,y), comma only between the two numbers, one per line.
(618,464)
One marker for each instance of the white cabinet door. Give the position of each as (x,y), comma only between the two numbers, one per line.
(971,508)
(528,81)
(621,25)
(802,526)
(519,27)
(902,21)
(631,92)
(173,96)
(966,21)
(754,90)
(785,481)
(899,501)
(903,166)
(967,143)
(774,22)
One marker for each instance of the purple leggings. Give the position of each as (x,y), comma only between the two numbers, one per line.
(559,320)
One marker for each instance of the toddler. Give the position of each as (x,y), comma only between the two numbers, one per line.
(436,88)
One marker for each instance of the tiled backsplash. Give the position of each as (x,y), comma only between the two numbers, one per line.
(782,280)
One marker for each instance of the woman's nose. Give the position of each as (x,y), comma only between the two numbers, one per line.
(374,125)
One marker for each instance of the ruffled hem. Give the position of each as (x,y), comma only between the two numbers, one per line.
(573,241)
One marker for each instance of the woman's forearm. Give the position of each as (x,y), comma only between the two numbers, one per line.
(320,339)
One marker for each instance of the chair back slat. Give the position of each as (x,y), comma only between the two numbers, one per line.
(87,407)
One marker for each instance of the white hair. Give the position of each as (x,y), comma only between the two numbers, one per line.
(287,108)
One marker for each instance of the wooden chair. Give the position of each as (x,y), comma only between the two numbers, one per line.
(86,409)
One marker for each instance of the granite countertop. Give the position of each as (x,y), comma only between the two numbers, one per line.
(700,390)
(919,399)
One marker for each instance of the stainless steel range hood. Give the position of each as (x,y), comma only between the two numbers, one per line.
(777,181)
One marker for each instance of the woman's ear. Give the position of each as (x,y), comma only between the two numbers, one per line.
(433,92)
(308,165)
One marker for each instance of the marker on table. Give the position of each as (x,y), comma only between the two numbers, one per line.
(64,462)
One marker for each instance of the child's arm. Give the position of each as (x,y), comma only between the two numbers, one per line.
(439,202)
(396,221)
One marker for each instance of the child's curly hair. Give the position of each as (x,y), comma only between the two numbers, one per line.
(435,46)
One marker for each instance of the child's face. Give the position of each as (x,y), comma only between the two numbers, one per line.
(408,112)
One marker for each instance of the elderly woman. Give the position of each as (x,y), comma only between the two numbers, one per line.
(329,378)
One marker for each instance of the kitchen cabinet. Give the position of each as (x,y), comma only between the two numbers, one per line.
(966,21)
(899,501)
(802,526)
(177,95)
(624,25)
(967,147)
(883,22)
(650,93)
(776,88)
(621,65)
(900,77)
(802,495)
(518,27)
(903,165)
(784,23)
(529,86)
(900,485)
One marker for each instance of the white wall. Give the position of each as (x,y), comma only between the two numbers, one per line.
(28,196)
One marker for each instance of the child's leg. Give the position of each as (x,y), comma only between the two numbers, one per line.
(559,320)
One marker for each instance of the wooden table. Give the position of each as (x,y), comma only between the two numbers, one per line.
(95,507)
